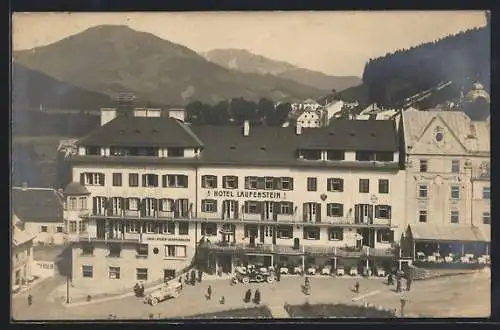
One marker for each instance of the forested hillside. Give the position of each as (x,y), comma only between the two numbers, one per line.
(462,58)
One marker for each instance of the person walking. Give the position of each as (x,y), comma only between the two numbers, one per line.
(356,287)
(248,296)
(30,299)
(200,275)
(209,292)
(193,277)
(390,280)
(408,284)
(256,297)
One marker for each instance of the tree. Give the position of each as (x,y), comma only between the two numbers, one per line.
(219,114)
(279,115)
(265,109)
(242,110)
(194,112)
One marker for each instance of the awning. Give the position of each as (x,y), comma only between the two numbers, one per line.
(449,233)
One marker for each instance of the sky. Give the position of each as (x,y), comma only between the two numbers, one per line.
(333,42)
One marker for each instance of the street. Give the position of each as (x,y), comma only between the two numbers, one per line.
(433,298)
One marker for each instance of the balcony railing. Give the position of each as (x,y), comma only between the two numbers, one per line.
(346,252)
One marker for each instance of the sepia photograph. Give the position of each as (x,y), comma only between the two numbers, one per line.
(250,165)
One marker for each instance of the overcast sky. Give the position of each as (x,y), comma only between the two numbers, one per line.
(336,43)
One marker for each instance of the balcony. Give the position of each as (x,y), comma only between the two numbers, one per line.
(109,237)
(137,214)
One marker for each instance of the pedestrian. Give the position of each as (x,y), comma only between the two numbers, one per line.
(248,296)
(356,287)
(30,299)
(209,292)
(278,275)
(398,285)
(187,278)
(193,277)
(256,297)
(200,275)
(222,300)
(390,280)
(408,284)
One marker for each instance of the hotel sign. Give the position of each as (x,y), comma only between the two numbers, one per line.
(167,239)
(254,194)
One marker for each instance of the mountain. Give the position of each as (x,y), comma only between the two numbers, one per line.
(110,59)
(245,61)
(32,89)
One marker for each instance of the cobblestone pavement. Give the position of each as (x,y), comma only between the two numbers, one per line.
(426,298)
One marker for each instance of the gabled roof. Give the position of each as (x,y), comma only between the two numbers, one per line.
(37,204)
(141,132)
(20,237)
(462,127)
(452,232)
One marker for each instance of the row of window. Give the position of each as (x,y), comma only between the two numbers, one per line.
(340,155)
(286,232)
(286,208)
(454,191)
(228,182)
(149,227)
(135,151)
(147,206)
(114,249)
(454,217)
(455,166)
(45,229)
(148,180)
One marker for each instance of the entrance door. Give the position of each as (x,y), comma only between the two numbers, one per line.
(309,212)
(268,234)
(229,209)
(168,274)
(268,211)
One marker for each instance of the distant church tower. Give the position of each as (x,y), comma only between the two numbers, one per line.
(476,103)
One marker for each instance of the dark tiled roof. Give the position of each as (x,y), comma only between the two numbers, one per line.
(141,132)
(352,135)
(75,188)
(263,145)
(37,205)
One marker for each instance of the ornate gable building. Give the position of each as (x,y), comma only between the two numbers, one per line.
(447,158)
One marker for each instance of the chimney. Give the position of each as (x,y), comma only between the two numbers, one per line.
(298,129)
(246,128)
(107,115)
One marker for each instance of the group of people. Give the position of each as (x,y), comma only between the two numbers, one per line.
(192,277)
(399,279)
(247,298)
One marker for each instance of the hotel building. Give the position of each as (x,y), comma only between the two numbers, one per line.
(156,186)
(448,183)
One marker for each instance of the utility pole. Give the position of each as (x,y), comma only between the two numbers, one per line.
(67,289)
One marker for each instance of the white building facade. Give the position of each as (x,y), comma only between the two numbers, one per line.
(155,187)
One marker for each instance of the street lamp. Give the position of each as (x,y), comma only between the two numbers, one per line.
(67,289)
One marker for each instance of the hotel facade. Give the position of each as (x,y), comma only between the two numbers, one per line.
(151,188)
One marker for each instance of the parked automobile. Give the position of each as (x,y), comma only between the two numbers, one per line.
(379,271)
(252,274)
(167,291)
(353,271)
(340,271)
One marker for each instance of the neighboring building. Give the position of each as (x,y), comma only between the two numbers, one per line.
(447,159)
(333,109)
(41,212)
(308,104)
(258,194)
(308,118)
(21,253)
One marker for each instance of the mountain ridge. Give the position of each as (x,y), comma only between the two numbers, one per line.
(246,61)
(110,59)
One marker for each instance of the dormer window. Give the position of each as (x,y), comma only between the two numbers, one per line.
(311,154)
(92,151)
(335,155)
(175,152)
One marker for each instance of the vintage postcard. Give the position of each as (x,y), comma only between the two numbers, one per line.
(250,165)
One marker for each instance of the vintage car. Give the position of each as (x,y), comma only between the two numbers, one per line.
(167,291)
(252,274)
(340,271)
